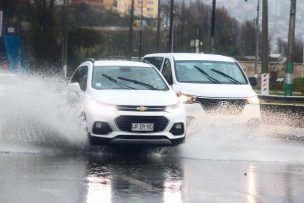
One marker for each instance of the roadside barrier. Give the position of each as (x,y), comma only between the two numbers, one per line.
(282,110)
(282,100)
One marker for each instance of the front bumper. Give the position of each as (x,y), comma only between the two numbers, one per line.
(121,129)
(249,113)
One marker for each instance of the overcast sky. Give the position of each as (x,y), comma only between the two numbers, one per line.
(278,16)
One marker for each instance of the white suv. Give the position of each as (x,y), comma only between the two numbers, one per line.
(126,101)
(212,84)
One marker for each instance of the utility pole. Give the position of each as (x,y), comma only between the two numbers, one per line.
(265,50)
(158,27)
(131,30)
(141,30)
(265,45)
(257,39)
(213,26)
(65,38)
(171,35)
(291,35)
(257,22)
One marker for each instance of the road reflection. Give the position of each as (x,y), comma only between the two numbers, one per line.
(134,173)
(251,184)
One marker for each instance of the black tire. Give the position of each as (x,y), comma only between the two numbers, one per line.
(178,141)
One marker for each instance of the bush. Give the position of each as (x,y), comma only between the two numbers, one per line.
(298,84)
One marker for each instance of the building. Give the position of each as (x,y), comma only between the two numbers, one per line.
(148,8)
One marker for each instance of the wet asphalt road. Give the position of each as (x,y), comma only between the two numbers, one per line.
(140,174)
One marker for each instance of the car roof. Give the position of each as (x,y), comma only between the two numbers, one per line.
(120,63)
(193,56)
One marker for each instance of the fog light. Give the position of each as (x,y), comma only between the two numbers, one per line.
(98,125)
(178,126)
(101,128)
(177,129)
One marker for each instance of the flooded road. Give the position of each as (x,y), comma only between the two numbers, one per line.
(149,175)
(45,157)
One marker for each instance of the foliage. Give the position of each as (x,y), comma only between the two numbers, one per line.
(43,38)
(298,84)
(93,51)
(85,15)
(84,43)
(297,51)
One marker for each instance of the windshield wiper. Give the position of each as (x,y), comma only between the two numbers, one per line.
(215,81)
(116,82)
(231,79)
(138,83)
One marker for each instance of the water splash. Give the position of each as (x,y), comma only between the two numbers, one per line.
(34,111)
(36,118)
(214,139)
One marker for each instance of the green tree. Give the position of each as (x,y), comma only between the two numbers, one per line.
(44,36)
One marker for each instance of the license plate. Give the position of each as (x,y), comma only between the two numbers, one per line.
(142,126)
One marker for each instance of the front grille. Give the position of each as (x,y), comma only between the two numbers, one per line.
(124,123)
(141,108)
(222,105)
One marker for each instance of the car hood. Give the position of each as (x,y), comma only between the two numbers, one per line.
(216,90)
(135,97)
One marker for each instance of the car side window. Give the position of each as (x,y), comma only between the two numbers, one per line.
(81,77)
(75,77)
(167,71)
(156,61)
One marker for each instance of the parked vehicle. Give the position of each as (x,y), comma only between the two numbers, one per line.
(126,101)
(210,84)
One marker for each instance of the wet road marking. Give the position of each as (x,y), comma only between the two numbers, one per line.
(141,184)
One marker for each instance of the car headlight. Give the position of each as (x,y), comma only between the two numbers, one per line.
(173,108)
(253,100)
(101,107)
(186,98)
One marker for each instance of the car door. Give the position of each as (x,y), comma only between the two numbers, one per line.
(78,83)
(81,77)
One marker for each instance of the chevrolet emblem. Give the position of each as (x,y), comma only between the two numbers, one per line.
(141,108)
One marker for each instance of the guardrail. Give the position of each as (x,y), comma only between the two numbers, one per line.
(283,100)
(282,110)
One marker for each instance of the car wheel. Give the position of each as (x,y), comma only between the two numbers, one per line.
(178,141)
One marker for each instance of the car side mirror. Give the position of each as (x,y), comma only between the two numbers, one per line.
(253,81)
(75,87)
(73,92)
(177,89)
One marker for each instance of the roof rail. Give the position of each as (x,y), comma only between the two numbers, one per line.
(91,60)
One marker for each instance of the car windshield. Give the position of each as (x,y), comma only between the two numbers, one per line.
(127,77)
(210,72)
